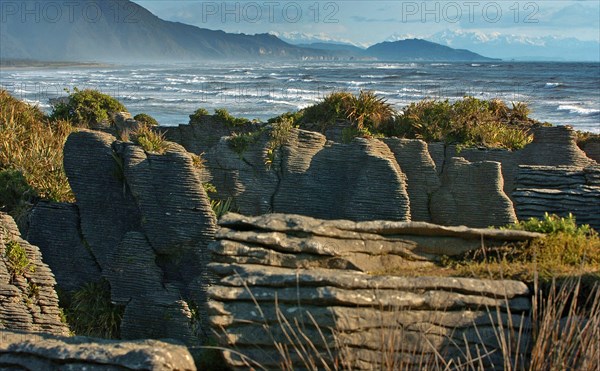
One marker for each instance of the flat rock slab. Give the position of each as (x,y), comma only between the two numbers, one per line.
(22,350)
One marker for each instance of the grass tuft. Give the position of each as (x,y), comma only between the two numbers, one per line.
(90,312)
(32,145)
(150,140)
(17,261)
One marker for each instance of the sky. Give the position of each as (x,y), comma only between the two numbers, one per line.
(369,22)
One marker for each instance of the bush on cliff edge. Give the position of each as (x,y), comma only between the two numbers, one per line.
(86,108)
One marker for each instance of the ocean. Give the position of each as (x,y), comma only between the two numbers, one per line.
(559,93)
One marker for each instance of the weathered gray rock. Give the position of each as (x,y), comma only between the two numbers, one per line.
(106,208)
(158,317)
(133,272)
(421,176)
(592,150)
(54,228)
(299,282)
(472,194)
(124,122)
(27,298)
(30,351)
(551,146)
(200,137)
(244,176)
(148,222)
(175,211)
(559,190)
(357,181)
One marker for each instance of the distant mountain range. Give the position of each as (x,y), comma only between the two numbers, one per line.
(145,38)
(508,46)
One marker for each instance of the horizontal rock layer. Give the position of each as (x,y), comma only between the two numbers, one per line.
(300,282)
(559,190)
(29,351)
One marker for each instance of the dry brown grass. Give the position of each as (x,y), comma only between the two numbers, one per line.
(33,145)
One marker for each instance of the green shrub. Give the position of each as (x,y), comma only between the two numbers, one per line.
(145,119)
(239,142)
(279,136)
(293,116)
(90,312)
(87,107)
(467,122)
(552,224)
(225,118)
(150,140)
(17,261)
(567,250)
(32,146)
(197,116)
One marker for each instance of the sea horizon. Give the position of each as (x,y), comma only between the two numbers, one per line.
(561,93)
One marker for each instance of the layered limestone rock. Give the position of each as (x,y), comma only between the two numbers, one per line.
(357,181)
(199,137)
(551,146)
(54,227)
(243,177)
(301,282)
(559,190)
(28,301)
(592,149)
(421,175)
(30,351)
(310,176)
(471,194)
(147,222)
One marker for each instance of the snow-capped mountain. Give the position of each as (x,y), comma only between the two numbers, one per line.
(510,46)
(302,38)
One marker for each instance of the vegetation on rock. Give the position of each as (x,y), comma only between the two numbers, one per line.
(567,250)
(87,107)
(468,122)
(197,116)
(150,140)
(145,119)
(90,312)
(31,148)
(17,261)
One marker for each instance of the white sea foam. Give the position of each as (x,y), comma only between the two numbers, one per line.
(552,84)
(578,110)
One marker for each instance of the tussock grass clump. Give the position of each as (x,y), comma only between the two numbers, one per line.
(366,113)
(468,122)
(90,312)
(150,140)
(86,108)
(31,145)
